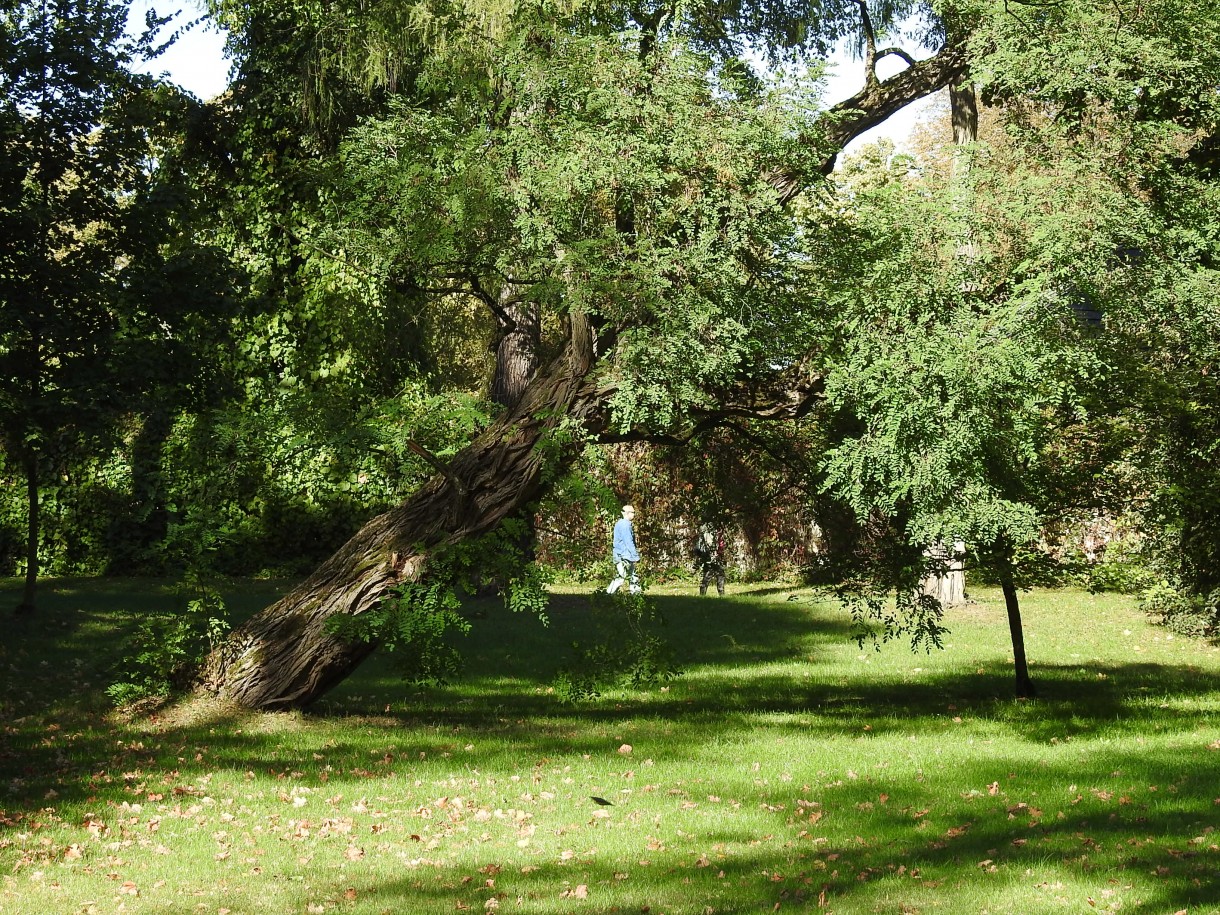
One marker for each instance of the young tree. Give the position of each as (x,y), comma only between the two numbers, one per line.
(955,397)
(982,389)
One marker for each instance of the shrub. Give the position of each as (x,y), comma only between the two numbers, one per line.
(162,653)
(1193,615)
(628,651)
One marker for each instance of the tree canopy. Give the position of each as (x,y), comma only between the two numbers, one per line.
(454,244)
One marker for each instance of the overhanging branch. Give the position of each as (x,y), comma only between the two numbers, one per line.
(774,404)
(874,104)
(879,99)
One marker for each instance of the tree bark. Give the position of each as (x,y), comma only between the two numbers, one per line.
(516,349)
(964,112)
(520,337)
(284,658)
(1025,686)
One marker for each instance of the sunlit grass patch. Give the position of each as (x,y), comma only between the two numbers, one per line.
(786,767)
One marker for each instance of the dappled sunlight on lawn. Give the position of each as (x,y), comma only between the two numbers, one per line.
(787,766)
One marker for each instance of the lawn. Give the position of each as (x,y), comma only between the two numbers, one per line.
(786,769)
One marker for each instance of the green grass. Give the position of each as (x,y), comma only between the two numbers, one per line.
(787,769)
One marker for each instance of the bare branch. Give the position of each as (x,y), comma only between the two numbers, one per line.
(896,52)
(439,466)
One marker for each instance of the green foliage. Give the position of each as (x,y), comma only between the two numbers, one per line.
(955,378)
(881,615)
(531,180)
(1120,570)
(527,592)
(572,539)
(110,307)
(165,647)
(1119,113)
(416,622)
(1189,614)
(628,651)
(1001,320)
(278,486)
(949,399)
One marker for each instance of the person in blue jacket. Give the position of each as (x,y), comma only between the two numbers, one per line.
(625,553)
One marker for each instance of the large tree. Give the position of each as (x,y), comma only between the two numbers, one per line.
(995,346)
(628,178)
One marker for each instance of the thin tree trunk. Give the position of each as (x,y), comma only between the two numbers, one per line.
(284,658)
(1025,686)
(33,532)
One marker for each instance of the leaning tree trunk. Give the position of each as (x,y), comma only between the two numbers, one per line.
(283,657)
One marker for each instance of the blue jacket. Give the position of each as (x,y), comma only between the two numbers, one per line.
(624,541)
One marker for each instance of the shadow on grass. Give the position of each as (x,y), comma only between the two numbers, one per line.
(57,743)
(904,848)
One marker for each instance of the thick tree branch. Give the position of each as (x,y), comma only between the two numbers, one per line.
(872,105)
(773,404)
(880,99)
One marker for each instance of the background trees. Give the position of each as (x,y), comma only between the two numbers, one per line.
(100,298)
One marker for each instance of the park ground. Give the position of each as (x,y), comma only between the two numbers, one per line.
(786,769)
